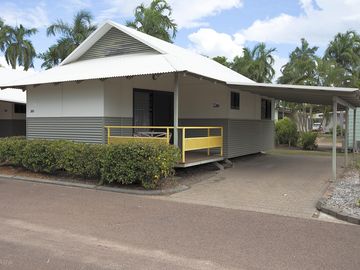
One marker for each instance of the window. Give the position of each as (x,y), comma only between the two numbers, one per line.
(266,109)
(19,108)
(235,101)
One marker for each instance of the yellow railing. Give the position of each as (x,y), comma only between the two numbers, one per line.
(198,143)
(163,134)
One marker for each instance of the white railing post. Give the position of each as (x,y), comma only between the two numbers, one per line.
(176,109)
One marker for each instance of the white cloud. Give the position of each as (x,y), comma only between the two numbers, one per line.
(35,16)
(319,22)
(211,43)
(185,15)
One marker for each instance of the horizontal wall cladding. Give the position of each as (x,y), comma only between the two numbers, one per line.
(12,127)
(249,136)
(115,42)
(351,127)
(82,129)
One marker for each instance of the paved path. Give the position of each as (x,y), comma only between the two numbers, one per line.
(52,227)
(288,185)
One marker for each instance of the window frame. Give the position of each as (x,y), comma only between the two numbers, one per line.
(19,108)
(266,111)
(234,96)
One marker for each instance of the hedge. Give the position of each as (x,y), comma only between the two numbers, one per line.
(130,163)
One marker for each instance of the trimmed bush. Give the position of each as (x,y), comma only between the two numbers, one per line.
(44,155)
(137,162)
(308,140)
(286,132)
(83,160)
(11,151)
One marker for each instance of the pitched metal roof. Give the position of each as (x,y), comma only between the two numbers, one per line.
(302,93)
(12,95)
(170,58)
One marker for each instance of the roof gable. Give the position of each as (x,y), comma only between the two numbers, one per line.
(115,42)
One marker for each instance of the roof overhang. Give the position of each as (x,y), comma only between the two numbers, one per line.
(349,97)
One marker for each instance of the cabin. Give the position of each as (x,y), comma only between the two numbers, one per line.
(121,85)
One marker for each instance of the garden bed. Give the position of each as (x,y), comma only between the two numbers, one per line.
(342,198)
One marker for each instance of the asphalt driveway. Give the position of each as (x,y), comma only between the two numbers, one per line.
(288,185)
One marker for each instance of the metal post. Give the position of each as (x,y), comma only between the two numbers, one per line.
(354,135)
(176,109)
(346,144)
(334,139)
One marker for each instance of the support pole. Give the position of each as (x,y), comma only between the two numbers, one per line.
(354,136)
(346,142)
(176,109)
(334,139)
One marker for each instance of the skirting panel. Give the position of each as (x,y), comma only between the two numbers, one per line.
(249,136)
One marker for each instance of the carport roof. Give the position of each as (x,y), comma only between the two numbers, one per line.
(301,93)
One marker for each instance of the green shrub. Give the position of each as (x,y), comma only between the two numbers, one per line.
(137,162)
(44,155)
(286,132)
(308,140)
(11,150)
(83,160)
(142,163)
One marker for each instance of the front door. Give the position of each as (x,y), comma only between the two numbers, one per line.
(153,108)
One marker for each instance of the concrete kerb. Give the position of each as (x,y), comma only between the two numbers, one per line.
(337,213)
(169,191)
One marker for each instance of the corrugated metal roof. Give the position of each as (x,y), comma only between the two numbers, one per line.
(302,93)
(171,59)
(13,95)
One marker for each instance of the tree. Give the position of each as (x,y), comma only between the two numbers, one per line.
(4,35)
(344,49)
(71,36)
(302,66)
(256,64)
(222,60)
(155,20)
(18,49)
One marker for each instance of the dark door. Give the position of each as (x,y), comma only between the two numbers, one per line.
(153,108)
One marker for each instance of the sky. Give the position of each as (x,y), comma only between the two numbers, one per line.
(209,27)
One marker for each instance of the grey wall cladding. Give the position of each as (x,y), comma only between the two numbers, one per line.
(249,137)
(115,42)
(241,137)
(12,128)
(82,129)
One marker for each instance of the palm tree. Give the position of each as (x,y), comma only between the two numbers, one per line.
(155,20)
(302,67)
(18,49)
(4,37)
(256,64)
(345,51)
(71,36)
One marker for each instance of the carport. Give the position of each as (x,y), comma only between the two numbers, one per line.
(338,97)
